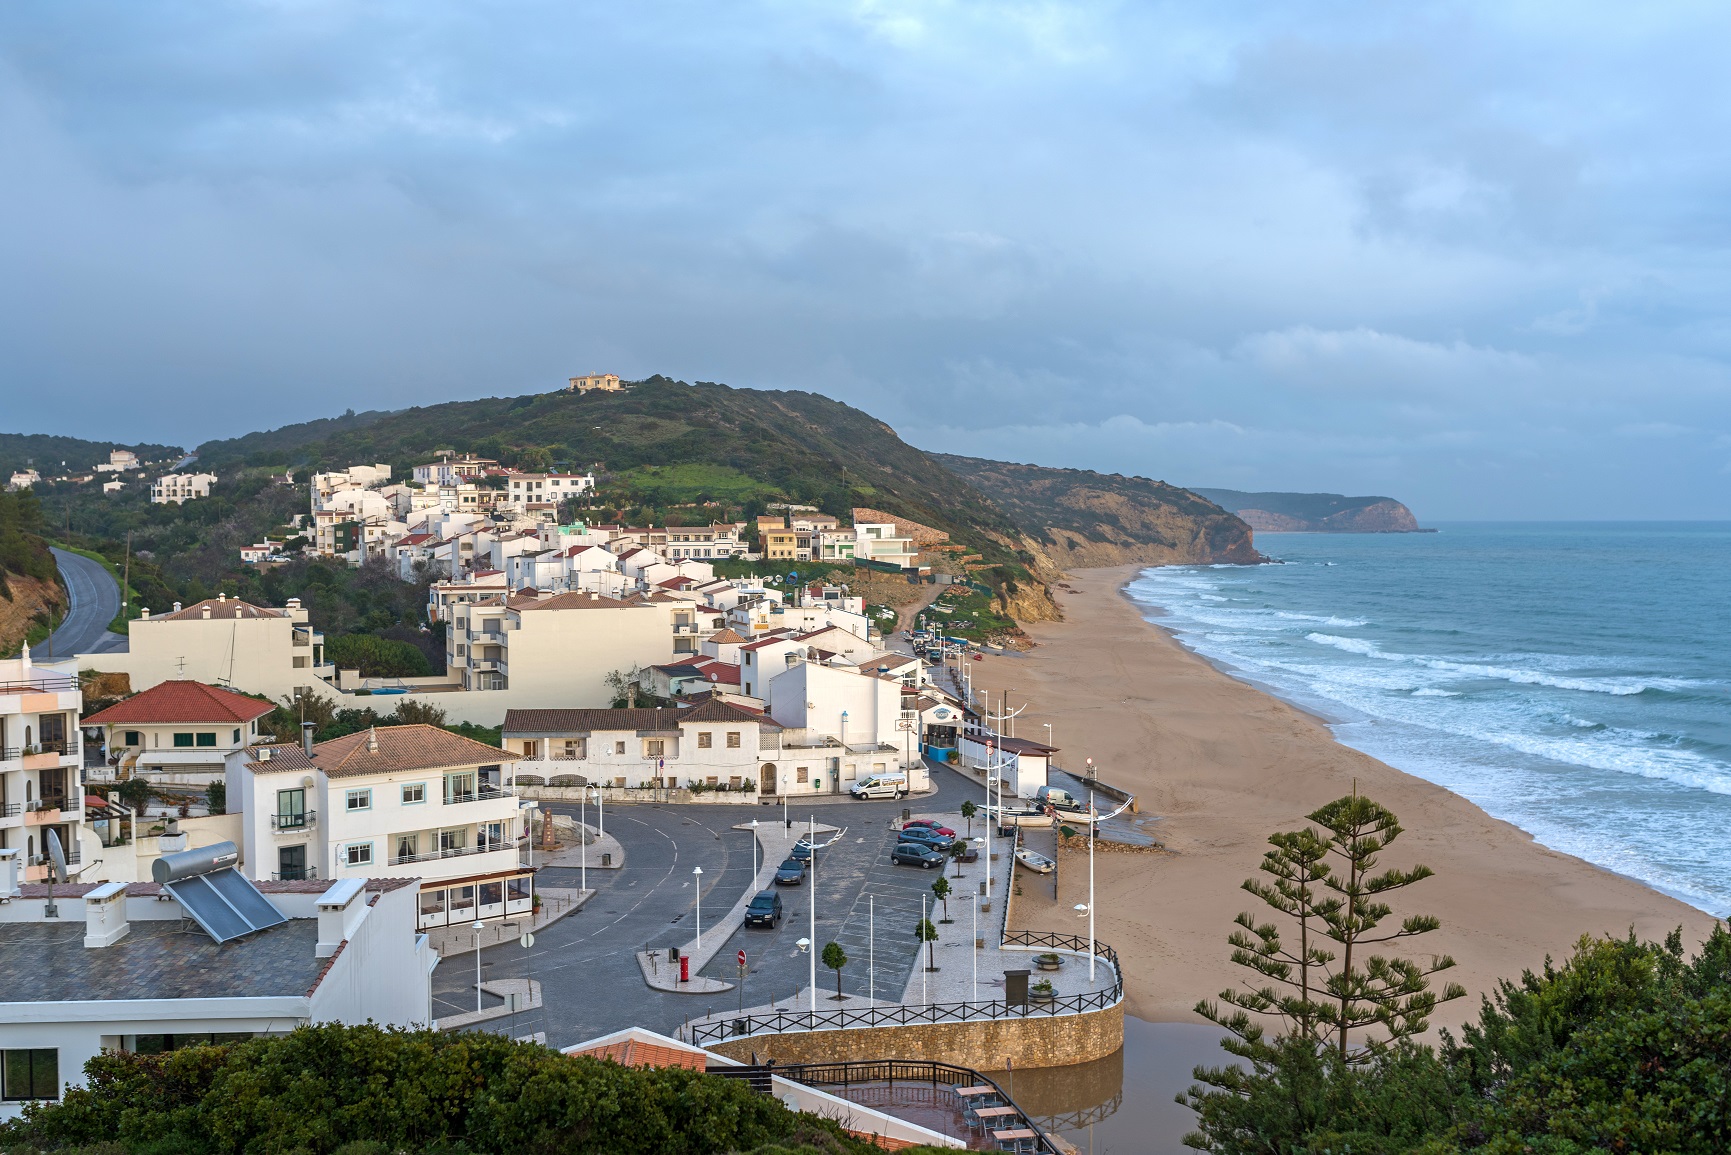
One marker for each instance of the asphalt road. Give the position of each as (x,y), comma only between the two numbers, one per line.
(586,962)
(95,602)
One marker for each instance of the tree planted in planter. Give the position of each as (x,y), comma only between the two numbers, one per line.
(941,888)
(968,812)
(835,958)
(927,933)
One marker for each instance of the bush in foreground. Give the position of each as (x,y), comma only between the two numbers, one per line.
(336,1090)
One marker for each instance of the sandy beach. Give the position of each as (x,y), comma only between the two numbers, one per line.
(1224,765)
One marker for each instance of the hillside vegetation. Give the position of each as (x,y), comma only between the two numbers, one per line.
(30,593)
(1082,518)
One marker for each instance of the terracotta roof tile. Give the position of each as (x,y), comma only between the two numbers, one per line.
(655,718)
(224,609)
(181,701)
(394,749)
(725,637)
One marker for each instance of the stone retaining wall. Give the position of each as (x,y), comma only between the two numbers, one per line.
(985,1045)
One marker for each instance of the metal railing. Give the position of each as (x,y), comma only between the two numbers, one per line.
(485,794)
(900,1015)
(294,821)
(43,685)
(302,875)
(893,1071)
(11,809)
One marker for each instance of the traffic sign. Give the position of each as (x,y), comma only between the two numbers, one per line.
(741,958)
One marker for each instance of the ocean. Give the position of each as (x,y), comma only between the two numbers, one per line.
(1573,679)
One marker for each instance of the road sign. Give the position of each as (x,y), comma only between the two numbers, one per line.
(527,941)
(741,958)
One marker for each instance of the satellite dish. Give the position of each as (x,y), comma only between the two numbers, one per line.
(58,854)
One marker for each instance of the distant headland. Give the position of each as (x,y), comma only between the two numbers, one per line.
(1315,512)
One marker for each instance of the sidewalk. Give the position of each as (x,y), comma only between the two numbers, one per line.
(776,843)
(595,848)
(528,992)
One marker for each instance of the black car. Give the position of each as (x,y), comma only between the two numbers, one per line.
(765,910)
(801,850)
(916,854)
(925,836)
(790,873)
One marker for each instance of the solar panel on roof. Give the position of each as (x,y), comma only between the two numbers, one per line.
(225,903)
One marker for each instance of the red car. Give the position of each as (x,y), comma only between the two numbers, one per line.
(928,824)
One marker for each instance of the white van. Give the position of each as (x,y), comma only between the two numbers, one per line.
(881,786)
(1052,796)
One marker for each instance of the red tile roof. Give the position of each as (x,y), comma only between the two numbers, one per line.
(181,702)
(224,608)
(634,1053)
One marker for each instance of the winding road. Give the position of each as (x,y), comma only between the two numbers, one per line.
(95,599)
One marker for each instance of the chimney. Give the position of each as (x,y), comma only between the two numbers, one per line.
(144,612)
(105,915)
(207,611)
(372,739)
(340,909)
(177,607)
(222,597)
(307,729)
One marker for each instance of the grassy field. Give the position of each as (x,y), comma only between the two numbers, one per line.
(972,615)
(693,482)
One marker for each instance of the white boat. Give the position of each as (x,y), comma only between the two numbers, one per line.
(1018,816)
(1038,863)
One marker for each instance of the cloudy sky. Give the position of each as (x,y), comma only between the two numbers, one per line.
(1470,256)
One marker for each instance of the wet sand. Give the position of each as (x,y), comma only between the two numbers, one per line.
(1225,765)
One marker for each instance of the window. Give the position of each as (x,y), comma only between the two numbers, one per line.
(31,1074)
(134,738)
(654,747)
(460,787)
(619,747)
(705,739)
(801,773)
(733,739)
(358,854)
(360,800)
(207,740)
(291,808)
(453,841)
(414,793)
(236,738)
(183,741)
(408,847)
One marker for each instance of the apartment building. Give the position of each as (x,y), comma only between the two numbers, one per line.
(780,543)
(719,539)
(453,470)
(529,490)
(882,542)
(221,641)
(324,486)
(179,488)
(40,755)
(391,802)
(561,647)
(179,732)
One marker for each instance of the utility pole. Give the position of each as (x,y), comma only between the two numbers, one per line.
(126,592)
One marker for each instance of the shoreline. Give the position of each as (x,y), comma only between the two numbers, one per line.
(1223,763)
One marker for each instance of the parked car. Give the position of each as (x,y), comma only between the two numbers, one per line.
(916,854)
(926,837)
(790,873)
(801,850)
(928,824)
(765,910)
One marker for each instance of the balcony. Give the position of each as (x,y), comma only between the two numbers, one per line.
(453,852)
(11,809)
(300,821)
(304,874)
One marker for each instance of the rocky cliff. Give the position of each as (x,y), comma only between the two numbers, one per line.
(1075,517)
(1315,512)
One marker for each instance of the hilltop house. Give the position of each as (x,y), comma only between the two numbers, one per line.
(179,488)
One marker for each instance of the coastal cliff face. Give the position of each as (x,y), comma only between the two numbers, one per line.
(1316,512)
(1078,518)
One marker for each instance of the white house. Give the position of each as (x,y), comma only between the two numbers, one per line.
(114,967)
(178,732)
(23,479)
(119,461)
(179,488)
(391,801)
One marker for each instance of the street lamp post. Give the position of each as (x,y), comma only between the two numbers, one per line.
(582,836)
(754,867)
(1092,822)
(872,950)
(811,904)
(477,927)
(697,880)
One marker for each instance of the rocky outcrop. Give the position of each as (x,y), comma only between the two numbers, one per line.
(1316,512)
(30,601)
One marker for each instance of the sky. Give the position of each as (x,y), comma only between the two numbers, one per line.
(1469,256)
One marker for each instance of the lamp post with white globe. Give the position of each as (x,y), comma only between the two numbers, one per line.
(697,881)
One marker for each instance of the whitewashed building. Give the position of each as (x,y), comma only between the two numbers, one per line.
(178,732)
(40,756)
(179,488)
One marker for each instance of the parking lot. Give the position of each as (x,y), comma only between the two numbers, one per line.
(585,962)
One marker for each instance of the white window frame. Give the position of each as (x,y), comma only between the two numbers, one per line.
(420,789)
(349,854)
(365,794)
